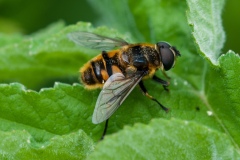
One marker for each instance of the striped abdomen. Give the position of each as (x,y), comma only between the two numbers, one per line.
(96,72)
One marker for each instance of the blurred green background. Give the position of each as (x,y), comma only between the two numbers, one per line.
(28,16)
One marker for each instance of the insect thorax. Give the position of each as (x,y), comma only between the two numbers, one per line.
(141,56)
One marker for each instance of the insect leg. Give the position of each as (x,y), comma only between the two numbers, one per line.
(108,63)
(165,84)
(165,74)
(105,129)
(143,88)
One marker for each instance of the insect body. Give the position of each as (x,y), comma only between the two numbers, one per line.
(117,72)
(127,60)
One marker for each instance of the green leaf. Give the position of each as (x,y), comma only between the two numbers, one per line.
(205,19)
(20,145)
(201,93)
(54,109)
(222,90)
(48,127)
(166,139)
(149,21)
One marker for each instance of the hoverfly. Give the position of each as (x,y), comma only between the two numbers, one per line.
(118,71)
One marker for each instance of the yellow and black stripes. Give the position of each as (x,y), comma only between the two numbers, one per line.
(96,72)
(97,67)
(108,63)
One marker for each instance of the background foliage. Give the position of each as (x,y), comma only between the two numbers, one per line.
(29,16)
(53,120)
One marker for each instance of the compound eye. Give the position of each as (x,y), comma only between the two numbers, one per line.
(167,58)
(167,55)
(163,45)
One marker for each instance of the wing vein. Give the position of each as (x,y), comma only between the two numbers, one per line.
(95,41)
(114,92)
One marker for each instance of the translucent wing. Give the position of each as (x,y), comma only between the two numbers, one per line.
(95,41)
(114,92)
